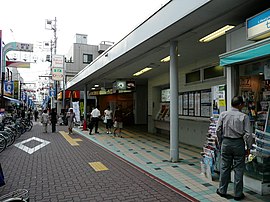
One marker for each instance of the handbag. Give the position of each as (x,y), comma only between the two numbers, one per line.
(105,120)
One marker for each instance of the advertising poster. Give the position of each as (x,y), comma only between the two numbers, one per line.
(76,109)
(206,103)
(9,88)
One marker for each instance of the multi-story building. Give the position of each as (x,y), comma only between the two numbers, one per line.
(78,57)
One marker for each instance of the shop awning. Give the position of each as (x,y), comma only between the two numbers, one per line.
(250,52)
(12,100)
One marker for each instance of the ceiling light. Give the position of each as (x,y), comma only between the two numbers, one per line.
(96,85)
(93,88)
(216,34)
(167,59)
(146,69)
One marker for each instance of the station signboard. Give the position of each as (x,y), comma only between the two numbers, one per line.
(258,26)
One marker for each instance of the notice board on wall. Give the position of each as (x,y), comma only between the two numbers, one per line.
(195,103)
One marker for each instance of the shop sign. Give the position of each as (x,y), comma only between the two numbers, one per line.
(258,26)
(57,74)
(130,85)
(58,61)
(26,47)
(93,93)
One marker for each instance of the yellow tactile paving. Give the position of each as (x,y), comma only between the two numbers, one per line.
(98,166)
(72,141)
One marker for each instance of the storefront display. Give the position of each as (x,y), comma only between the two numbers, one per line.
(211,153)
(255,89)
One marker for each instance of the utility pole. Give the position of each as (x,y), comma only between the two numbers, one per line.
(55,42)
(52,25)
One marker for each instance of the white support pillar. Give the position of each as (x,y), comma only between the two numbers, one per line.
(232,75)
(174,123)
(85,103)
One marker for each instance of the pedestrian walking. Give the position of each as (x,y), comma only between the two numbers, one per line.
(95,116)
(108,119)
(36,114)
(53,118)
(118,121)
(234,133)
(29,114)
(45,120)
(71,118)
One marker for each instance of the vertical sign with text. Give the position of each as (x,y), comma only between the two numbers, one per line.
(57,67)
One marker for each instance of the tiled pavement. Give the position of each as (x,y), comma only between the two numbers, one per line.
(61,167)
(151,153)
(60,170)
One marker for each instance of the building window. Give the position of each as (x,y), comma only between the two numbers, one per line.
(87,58)
(193,77)
(213,72)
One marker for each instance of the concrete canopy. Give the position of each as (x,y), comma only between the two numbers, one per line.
(185,21)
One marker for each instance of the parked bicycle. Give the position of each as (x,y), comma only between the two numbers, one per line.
(21,195)
(11,129)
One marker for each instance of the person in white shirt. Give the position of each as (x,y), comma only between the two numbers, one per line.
(108,119)
(45,120)
(95,116)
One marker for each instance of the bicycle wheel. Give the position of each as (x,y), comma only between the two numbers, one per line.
(3,143)
(15,200)
(8,137)
(17,195)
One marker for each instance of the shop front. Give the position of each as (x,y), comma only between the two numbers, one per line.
(253,84)
(248,75)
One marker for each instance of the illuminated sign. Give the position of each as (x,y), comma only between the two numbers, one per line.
(258,26)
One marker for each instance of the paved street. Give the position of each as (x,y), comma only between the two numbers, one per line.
(59,167)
